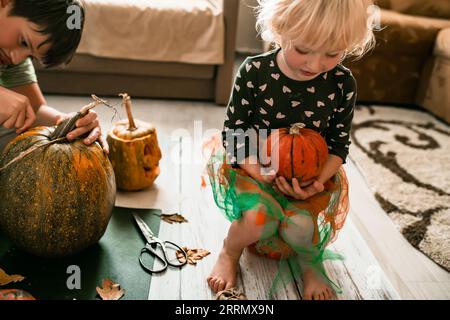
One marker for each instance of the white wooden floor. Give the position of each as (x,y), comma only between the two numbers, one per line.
(379,263)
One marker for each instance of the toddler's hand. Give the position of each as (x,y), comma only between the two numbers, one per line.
(297,192)
(267,175)
(259,173)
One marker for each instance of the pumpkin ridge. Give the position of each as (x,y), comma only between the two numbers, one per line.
(317,159)
(85,232)
(301,155)
(292,159)
(303,162)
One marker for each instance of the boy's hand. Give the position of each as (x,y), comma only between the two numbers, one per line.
(296,191)
(15,110)
(89,123)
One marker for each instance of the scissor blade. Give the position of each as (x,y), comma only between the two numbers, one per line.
(146,231)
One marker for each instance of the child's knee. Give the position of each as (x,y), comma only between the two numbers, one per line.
(262,222)
(297,230)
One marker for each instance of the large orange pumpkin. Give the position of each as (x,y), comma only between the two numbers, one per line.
(58,199)
(134,152)
(297,152)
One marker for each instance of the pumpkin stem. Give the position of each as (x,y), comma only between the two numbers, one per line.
(68,124)
(127,102)
(295,128)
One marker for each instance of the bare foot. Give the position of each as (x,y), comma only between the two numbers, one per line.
(315,288)
(223,275)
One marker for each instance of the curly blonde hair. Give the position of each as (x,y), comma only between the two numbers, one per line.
(333,24)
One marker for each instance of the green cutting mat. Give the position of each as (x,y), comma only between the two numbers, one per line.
(114,257)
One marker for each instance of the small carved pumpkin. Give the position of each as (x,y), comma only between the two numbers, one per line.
(134,152)
(297,152)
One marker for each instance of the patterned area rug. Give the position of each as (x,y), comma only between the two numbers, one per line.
(404,155)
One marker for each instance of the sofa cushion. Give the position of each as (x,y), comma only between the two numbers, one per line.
(408,35)
(188,31)
(427,8)
(442,46)
(385,4)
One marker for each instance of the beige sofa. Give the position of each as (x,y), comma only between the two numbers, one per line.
(411,62)
(88,73)
(434,87)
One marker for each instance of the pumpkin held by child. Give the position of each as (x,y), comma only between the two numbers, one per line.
(299,153)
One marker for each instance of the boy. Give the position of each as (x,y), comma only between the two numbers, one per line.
(37,29)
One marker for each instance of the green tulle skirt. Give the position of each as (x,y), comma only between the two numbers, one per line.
(303,228)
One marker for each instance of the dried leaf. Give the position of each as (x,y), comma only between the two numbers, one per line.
(110,290)
(171,218)
(193,255)
(6,278)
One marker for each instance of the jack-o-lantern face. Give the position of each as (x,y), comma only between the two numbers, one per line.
(134,155)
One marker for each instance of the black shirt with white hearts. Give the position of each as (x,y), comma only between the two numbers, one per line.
(265,98)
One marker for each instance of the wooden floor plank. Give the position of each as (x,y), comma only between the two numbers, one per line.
(204,231)
(167,286)
(360,275)
(258,276)
(206,228)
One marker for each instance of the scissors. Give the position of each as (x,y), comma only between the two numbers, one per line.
(157,248)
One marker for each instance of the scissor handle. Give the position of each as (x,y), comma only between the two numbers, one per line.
(148,249)
(180,264)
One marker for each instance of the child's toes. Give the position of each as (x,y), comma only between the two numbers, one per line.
(216,285)
(333,294)
(213,284)
(329,294)
(210,281)
(221,285)
(307,296)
